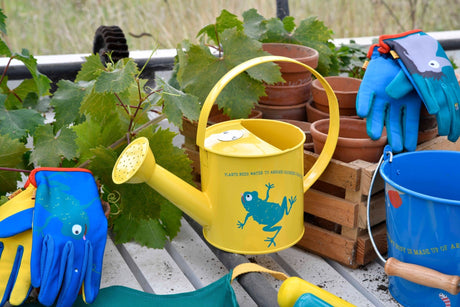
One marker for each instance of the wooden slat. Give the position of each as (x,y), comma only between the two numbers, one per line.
(377,213)
(326,243)
(338,173)
(331,208)
(364,250)
(439,143)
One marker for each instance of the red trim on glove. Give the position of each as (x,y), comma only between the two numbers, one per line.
(384,48)
(31,179)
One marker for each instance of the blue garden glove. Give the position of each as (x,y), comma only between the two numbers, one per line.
(69,235)
(15,247)
(426,67)
(400,116)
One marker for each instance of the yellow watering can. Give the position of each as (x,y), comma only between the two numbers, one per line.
(251,175)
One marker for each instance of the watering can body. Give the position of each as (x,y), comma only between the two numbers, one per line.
(252,172)
(252,182)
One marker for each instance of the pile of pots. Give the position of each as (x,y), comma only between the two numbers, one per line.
(288,100)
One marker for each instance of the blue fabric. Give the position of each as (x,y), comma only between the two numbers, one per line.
(310,300)
(17,223)
(69,236)
(400,116)
(428,68)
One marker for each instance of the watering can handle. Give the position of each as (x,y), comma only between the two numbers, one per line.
(422,275)
(333,134)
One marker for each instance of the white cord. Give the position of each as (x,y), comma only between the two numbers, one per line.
(369,205)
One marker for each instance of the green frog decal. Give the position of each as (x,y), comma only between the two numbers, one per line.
(264,212)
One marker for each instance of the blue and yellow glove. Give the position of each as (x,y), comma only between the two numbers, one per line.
(15,247)
(69,235)
(426,67)
(400,116)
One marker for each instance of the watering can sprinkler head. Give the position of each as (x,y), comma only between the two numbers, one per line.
(260,157)
(128,168)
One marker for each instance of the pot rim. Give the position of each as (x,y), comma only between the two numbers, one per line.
(314,54)
(317,85)
(321,136)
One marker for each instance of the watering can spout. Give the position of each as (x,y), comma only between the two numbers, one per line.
(136,164)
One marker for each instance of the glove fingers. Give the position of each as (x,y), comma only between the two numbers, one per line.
(50,272)
(22,285)
(411,119)
(393,122)
(399,87)
(73,275)
(8,270)
(92,280)
(364,100)
(376,119)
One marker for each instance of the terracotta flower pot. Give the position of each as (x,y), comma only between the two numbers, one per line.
(353,142)
(292,73)
(313,114)
(346,90)
(279,95)
(294,112)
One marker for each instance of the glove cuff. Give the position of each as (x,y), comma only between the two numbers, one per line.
(31,179)
(384,47)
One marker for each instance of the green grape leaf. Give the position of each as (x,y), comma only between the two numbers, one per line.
(147,232)
(178,104)
(91,134)
(19,93)
(225,20)
(98,105)
(2,22)
(144,209)
(241,48)
(170,217)
(17,123)
(42,82)
(67,102)
(118,80)
(253,23)
(90,69)
(49,149)
(313,33)
(40,104)
(3,199)
(11,153)
(4,49)
(289,23)
(276,32)
(199,71)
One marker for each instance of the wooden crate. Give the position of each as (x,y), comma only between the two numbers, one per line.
(336,209)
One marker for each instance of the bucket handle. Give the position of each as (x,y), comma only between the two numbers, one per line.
(329,147)
(412,272)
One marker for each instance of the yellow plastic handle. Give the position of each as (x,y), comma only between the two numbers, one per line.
(293,287)
(333,134)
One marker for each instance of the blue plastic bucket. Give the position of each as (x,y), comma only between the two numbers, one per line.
(422,199)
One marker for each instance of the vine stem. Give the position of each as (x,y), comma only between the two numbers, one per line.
(8,169)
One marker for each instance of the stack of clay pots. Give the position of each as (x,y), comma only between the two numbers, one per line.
(287,100)
(345,89)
